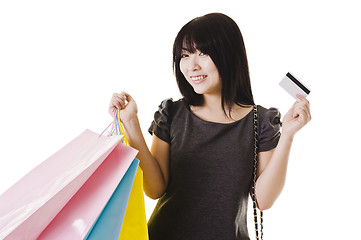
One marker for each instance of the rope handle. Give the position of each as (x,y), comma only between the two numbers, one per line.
(117,127)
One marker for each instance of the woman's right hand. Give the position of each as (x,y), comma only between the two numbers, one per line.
(126,104)
(154,164)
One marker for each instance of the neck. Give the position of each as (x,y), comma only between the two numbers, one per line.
(212,102)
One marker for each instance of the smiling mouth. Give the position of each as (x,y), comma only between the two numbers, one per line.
(198,78)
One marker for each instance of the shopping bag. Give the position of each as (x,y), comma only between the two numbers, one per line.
(135,223)
(35,200)
(109,223)
(77,217)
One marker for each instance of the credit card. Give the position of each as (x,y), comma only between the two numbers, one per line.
(294,86)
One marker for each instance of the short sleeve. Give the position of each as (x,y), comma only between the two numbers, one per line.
(161,123)
(269,128)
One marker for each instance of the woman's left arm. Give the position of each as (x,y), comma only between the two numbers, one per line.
(272,165)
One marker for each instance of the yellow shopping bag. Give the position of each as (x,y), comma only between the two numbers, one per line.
(134,225)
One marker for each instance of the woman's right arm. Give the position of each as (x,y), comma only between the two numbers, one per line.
(154,163)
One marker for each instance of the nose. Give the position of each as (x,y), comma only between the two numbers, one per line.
(194,63)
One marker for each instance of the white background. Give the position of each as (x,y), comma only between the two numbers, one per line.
(60,62)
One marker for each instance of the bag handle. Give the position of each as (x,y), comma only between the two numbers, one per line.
(253,193)
(117,127)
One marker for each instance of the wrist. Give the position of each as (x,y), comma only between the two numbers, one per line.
(131,121)
(287,136)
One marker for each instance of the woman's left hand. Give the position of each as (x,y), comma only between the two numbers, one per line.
(297,117)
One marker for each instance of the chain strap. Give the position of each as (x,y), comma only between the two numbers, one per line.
(253,194)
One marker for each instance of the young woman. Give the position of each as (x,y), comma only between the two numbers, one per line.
(200,165)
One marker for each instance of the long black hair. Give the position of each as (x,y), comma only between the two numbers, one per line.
(218,36)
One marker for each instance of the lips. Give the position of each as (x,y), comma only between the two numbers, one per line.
(198,79)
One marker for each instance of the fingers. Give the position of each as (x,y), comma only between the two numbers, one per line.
(303,99)
(127,96)
(118,101)
(302,109)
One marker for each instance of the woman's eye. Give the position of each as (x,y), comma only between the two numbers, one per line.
(202,54)
(184,55)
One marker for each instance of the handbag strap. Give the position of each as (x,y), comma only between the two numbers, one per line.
(253,193)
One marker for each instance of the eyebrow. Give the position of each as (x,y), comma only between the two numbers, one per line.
(186,49)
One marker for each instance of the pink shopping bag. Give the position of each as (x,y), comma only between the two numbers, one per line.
(30,205)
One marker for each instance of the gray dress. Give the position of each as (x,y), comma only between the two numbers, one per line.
(211,166)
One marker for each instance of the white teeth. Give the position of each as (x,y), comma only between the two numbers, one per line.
(198,77)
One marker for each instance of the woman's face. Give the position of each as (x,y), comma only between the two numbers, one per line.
(201,72)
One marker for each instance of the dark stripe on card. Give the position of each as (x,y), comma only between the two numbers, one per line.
(293,79)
